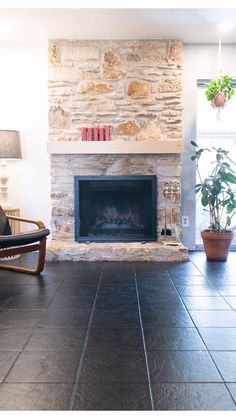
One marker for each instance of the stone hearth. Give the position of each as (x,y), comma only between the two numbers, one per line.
(147,252)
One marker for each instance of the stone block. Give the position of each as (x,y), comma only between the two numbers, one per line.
(133,57)
(170,85)
(62,212)
(153,59)
(58,118)
(78,53)
(151,132)
(138,89)
(112,67)
(119,167)
(97,88)
(107,106)
(61,91)
(175,53)
(52,55)
(91,74)
(127,128)
(64,74)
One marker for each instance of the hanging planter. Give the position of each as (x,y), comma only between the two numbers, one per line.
(218,100)
(219,91)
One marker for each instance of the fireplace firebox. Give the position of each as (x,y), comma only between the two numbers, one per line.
(115,208)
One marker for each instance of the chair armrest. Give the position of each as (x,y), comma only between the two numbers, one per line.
(40,224)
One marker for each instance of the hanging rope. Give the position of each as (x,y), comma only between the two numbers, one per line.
(219,60)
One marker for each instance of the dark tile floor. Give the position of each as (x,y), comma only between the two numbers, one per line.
(119,336)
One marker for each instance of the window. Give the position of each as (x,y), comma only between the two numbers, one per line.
(218,129)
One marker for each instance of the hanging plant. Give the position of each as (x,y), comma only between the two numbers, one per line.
(219,91)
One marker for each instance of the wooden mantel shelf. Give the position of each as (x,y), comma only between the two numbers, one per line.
(115,147)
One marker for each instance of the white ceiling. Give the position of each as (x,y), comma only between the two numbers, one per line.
(188,25)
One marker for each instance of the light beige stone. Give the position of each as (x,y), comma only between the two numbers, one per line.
(153,58)
(170,85)
(52,55)
(172,120)
(58,118)
(120,165)
(104,106)
(91,74)
(138,89)
(151,132)
(112,66)
(133,57)
(127,128)
(64,74)
(175,53)
(61,91)
(61,212)
(79,53)
(96,88)
(58,195)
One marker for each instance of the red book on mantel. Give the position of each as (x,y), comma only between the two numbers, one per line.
(95,134)
(84,134)
(107,133)
(90,134)
(101,134)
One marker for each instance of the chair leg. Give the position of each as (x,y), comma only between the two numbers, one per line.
(41,256)
(40,262)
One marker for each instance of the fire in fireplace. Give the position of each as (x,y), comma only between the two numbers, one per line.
(115,208)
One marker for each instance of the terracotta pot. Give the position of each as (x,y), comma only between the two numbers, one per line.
(218,100)
(216,244)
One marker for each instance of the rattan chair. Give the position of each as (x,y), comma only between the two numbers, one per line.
(18,244)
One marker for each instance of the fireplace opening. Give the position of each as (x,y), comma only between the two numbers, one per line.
(115,208)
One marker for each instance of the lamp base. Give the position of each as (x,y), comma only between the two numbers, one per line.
(3,184)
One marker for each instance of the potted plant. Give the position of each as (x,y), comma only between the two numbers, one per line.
(218,198)
(219,91)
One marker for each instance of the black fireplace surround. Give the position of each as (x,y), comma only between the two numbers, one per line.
(115,208)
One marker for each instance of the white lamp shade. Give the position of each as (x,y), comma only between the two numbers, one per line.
(10,147)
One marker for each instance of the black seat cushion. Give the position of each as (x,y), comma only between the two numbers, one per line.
(23,238)
(4,223)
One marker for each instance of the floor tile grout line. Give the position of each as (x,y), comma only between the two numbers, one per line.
(81,358)
(43,311)
(6,302)
(24,346)
(223,381)
(212,284)
(226,385)
(144,343)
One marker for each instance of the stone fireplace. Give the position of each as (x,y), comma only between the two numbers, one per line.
(135,88)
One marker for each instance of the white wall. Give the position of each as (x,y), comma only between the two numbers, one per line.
(200,62)
(23,107)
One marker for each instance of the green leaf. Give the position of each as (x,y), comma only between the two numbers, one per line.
(197,189)
(229,177)
(230,208)
(204,200)
(194,144)
(228,220)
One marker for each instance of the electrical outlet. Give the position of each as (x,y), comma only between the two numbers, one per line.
(185,221)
